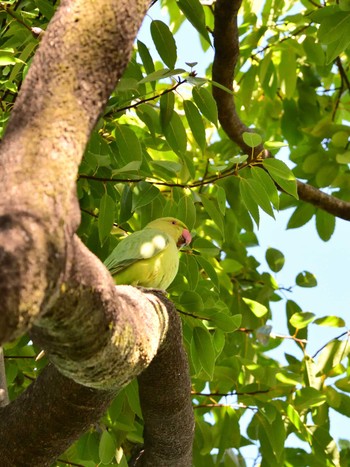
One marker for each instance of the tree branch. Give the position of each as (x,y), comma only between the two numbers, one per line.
(45,420)
(165,390)
(96,334)
(226,45)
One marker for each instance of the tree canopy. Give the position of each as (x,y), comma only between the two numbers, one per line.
(89,108)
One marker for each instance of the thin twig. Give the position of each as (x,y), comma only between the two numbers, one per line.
(346,333)
(142,101)
(232,393)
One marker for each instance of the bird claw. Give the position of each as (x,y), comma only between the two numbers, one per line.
(152,289)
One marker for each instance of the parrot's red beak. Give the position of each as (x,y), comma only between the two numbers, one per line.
(184,239)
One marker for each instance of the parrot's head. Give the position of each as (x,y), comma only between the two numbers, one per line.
(173,227)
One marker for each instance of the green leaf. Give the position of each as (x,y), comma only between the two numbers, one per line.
(206,103)
(314,51)
(164,42)
(211,208)
(333,321)
(194,12)
(205,247)
(205,350)
(150,117)
(251,139)
(145,57)
(306,398)
(343,158)
(226,322)
(175,134)
(171,166)
(7,58)
(288,72)
(334,27)
(161,74)
(144,193)
(256,192)
(306,279)
(336,48)
(166,102)
(206,265)
(282,175)
(45,8)
(332,354)
(125,204)
(105,217)
(257,308)
(192,301)
(132,166)
(295,418)
(291,309)
(190,270)
(247,86)
(343,384)
(301,215)
(195,122)
(275,259)
(326,174)
(248,200)
(325,224)
(265,180)
(344,5)
(302,319)
(230,432)
(221,199)
(275,144)
(107,448)
(128,144)
(187,211)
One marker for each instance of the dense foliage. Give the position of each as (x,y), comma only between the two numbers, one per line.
(159,150)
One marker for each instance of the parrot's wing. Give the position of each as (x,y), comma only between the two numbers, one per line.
(144,244)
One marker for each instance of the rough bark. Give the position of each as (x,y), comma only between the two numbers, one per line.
(226,45)
(82,55)
(167,407)
(47,418)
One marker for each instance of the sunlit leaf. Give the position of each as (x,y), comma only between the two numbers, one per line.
(205,349)
(164,42)
(105,217)
(194,12)
(302,319)
(251,139)
(275,259)
(306,279)
(257,308)
(206,103)
(107,447)
(282,175)
(332,321)
(195,121)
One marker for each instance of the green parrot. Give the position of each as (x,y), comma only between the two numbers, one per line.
(149,257)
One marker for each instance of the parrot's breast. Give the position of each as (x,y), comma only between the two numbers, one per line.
(156,272)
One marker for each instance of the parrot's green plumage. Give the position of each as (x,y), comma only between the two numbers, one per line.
(149,257)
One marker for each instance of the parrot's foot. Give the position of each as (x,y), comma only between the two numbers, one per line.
(152,289)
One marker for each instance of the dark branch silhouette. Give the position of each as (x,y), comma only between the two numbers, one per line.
(226,45)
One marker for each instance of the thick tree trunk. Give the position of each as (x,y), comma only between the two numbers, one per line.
(98,336)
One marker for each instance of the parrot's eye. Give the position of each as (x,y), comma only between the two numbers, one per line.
(173,222)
